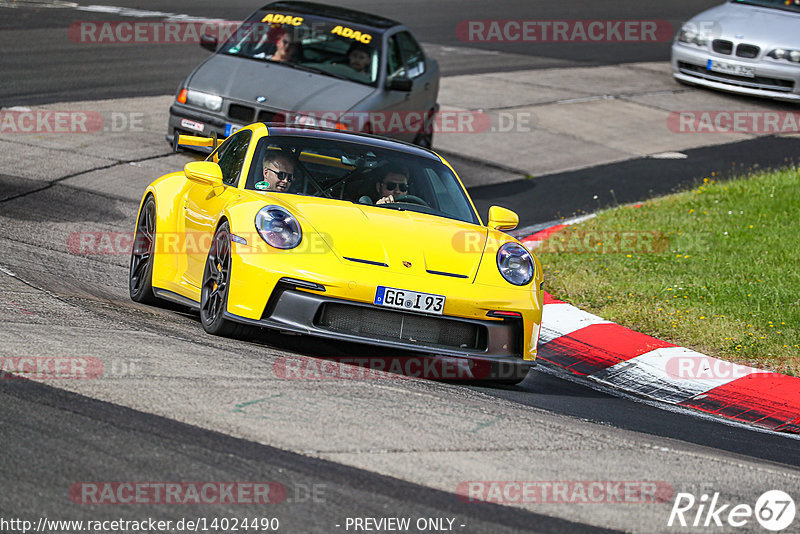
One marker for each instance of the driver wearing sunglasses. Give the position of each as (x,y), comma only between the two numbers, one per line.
(279,172)
(393,184)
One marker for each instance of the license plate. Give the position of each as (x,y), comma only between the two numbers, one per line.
(730,68)
(409,300)
(231,129)
(192,125)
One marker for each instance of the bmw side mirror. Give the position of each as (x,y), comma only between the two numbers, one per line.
(209,42)
(400,84)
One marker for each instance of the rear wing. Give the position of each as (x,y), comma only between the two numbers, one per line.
(212,142)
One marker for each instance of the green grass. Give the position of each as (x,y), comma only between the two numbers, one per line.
(715,269)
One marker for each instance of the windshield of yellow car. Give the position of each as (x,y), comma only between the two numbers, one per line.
(324,46)
(358,173)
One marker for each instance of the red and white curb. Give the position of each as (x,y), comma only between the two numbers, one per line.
(588,346)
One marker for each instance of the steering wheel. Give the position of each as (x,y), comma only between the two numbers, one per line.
(411,199)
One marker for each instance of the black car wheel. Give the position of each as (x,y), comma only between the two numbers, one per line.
(216,279)
(141,271)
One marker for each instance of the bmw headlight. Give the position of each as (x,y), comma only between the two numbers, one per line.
(278,227)
(788,55)
(327,119)
(690,35)
(515,264)
(203,100)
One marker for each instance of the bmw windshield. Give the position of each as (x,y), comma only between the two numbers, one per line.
(334,48)
(358,173)
(783,5)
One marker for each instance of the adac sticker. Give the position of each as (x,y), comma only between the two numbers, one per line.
(276,18)
(350,33)
(261,186)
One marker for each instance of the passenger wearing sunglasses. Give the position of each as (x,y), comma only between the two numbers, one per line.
(393,184)
(279,172)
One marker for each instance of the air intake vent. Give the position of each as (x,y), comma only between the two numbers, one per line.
(721,46)
(747,51)
(241,113)
(392,325)
(368,262)
(265,116)
(443,273)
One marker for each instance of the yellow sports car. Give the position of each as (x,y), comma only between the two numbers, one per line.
(338,235)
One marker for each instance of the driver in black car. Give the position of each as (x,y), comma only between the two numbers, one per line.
(393,183)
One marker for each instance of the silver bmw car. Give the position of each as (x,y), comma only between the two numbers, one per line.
(750,47)
(305,63)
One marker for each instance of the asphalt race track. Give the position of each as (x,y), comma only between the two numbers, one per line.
(178,405)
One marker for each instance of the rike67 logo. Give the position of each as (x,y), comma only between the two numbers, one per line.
(774,510)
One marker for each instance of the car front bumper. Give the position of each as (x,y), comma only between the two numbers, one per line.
(294,310)
(192,121)
(772,79)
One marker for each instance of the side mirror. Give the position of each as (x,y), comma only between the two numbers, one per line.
(399,83)
(209,42)
(502,219)
(204,172)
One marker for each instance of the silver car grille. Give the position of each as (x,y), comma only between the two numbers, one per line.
(247,114)
(725,47)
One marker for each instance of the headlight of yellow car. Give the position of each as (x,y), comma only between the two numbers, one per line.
(278,227)
(515,264)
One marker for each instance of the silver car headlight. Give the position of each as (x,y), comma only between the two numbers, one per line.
(203,100)
(690,35)
(515,264)
(326,119)
(788,55)
(278,227)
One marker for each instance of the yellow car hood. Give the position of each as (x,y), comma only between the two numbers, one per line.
(406,241)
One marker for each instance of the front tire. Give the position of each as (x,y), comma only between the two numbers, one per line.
(140,278)
(216,280)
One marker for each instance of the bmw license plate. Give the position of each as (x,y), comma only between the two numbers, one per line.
(192,125)
(409,300)
(730,68)
(231,129)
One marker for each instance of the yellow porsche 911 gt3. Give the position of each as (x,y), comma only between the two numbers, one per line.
(338,235)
